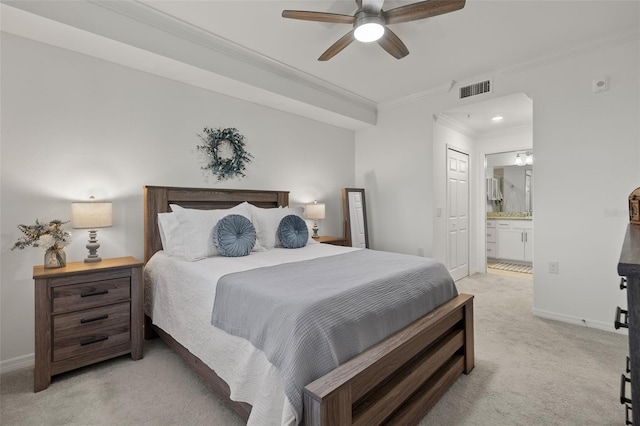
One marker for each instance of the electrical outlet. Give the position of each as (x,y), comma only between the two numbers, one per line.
(600,84)
(554,268)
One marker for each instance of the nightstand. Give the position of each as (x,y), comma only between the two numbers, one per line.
(336,241)
(86,313)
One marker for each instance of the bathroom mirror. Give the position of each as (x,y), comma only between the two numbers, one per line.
(509,187)
(354,214)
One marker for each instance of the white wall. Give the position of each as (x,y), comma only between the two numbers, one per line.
(586,163)
(73,126)
(394,165)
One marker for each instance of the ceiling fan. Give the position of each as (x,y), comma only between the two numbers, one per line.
(369,23)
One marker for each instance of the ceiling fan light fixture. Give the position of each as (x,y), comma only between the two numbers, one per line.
(368,28)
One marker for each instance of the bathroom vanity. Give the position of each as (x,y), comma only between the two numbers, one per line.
(510,237)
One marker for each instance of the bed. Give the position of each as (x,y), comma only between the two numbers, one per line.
(397,380)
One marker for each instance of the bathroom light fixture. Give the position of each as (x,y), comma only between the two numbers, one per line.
(92,215)
(528,159)
(519,161)
(368,28)
(524,158)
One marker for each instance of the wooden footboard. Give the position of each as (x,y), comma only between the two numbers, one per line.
(401,378)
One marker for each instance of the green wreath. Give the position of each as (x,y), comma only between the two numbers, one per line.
(224,168)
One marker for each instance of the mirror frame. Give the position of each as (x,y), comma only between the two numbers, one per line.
(346,223)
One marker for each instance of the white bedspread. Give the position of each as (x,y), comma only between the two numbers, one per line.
(179,296)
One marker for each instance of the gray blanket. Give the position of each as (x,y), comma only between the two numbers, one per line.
(309,317)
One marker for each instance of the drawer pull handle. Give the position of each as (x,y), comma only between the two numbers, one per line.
(628,364)
(100,339)
(94,293)
(623,388)
(617,323)
(101,317)
(627,415)
(623,283)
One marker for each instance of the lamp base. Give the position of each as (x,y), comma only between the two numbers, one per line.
(93,245)
(315,230)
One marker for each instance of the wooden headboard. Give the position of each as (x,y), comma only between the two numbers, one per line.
(158,198)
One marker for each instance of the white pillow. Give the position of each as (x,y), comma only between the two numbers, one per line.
(196,228)
(266,222)
(170,235)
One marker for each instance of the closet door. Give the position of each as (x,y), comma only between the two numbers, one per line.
(458,213)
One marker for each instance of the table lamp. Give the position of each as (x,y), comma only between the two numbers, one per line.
(315,212)
(92,215)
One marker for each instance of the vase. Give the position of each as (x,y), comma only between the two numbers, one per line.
(55,258)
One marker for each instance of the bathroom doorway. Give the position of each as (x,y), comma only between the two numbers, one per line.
(509,212)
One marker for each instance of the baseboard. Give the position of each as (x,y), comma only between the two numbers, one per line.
(17,363)
(606,326)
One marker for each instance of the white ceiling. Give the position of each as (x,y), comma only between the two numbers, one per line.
(477,118)
(483,36)
(238,40)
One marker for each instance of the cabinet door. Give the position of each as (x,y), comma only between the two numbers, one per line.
(511,244)
(528,245)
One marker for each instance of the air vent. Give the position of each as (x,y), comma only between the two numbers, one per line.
(475,89)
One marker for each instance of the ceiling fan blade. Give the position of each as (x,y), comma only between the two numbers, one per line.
(392,44)
(421,10)
(337,46)
(318,16)
(373,6)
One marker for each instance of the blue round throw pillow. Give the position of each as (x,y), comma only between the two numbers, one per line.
(293,232)
(234,236)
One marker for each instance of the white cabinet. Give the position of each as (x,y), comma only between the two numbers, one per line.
(492,239)
(528,245)
(515,240)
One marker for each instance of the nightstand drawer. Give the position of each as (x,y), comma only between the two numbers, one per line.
(90,321)
(83,296)
(100,335)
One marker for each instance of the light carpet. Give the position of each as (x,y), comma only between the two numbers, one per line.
(529,371)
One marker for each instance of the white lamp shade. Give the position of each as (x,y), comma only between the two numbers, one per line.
(519,161)
(528,159)
(314,211)
(91,215)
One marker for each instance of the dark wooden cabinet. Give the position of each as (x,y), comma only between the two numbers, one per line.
(86,313)
(629,267)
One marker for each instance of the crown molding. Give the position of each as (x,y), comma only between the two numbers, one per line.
(415,97)
(515,68)
(572,52)
(454,124)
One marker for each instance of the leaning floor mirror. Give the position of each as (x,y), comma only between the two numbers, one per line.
(354,213)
